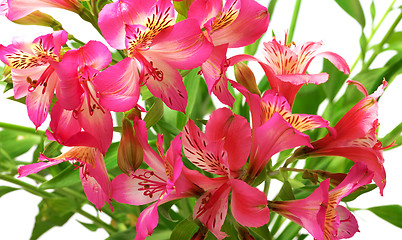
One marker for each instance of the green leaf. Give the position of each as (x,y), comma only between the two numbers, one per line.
(17,143)
(6,189)
(354,9)
(66,178)
(53,212)
(286,192)
(372,11)
(390,213)
(308,99)
(111,156)
(363,45)
(52,149)
(289,232)
(154,114)
(128,234)
(262,231)
(38,149)
(90,226)
(252,48)
(192,83)
(184,229)
(358,192)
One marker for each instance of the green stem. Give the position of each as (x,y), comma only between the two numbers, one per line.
(373,32)
(43,194)
(293,23)
(383,41)
(21,128)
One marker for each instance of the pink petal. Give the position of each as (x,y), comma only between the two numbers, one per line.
(133,190)
(204,10)
(170,89)
(221,91)
(19,77)
(349,225)
(36,167)
(94,54)
(273,136)
(119,86)
(182,46)
(211,209)
(147,221)
(248,205)
(300,79)
(213,69)
(337,60)
(234,131)
(174,163)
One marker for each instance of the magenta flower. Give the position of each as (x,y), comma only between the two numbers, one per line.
(20,8)
(93,173)
(223,150)
(356,137)
(146,186)
(237,24)
(32,71)
(78,118)
(320,213)
(286,68)
(156,45)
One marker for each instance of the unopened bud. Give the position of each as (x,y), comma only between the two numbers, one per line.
(246,77)
(130,153)
(40,19)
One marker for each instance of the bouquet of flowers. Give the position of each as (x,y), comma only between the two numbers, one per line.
(181,139)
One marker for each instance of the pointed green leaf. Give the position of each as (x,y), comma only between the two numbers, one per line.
(184,229)
(111,156)
(286,192)
(358,192)
(363,45)
(354,9)
(192,83)
(6,189)
(90,226)
(390,213)
(154,114)
(372,11)
(66,178)
(262,231)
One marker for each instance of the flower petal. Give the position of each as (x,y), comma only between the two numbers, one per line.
(36,167)
(349,225)
(147,221)
(337,60)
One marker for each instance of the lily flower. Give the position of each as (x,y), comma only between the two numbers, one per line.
(223,150)
(78,111)
(356,137)
(93,173)
(21,8)
(156,45)
(162,184)
(32,71)
(320,213)
(237,24)
(286,68)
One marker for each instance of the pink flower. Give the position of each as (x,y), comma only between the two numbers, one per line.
(320,213)
(237,24)
(356,137)
(78,118)
(93,173)
(286,68)
(33,73)
(155,45)
(20,8)
(223,150)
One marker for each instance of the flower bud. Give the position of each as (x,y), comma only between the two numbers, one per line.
(40,19)
(246,77)
(130,153)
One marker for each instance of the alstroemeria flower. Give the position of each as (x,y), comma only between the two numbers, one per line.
(156,45)
(158,185)
(356,137)
(223,150)
(237,24)
(78,111)
(32,73)
(20,8)
(263,108)
(320,213)
(93,173)
(286,68)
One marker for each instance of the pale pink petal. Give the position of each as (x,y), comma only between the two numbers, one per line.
(147,221)
(248,204)
(170,88)
(36,167)
(349,225)
(142,187)
(119,86)
(300,79)
(19,76)
(38,101)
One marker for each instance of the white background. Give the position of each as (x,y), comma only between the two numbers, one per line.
(318,20)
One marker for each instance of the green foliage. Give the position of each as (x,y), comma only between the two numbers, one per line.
(6,189)
(184,229)
(390,213)
(354,9)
